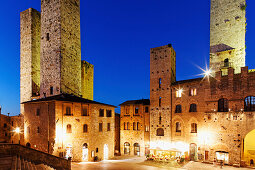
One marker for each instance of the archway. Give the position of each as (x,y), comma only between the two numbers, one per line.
(193,152)
(137,149)
(126,148)
(106,152)
(249,147)
(85,152)
(28,145)
(69,151)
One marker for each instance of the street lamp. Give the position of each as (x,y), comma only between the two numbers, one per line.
(17,130)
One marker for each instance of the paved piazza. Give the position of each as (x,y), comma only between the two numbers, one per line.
(137,164)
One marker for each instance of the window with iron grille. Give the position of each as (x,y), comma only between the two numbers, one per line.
(249,103)
(178,109)
(193,108)
(223,105)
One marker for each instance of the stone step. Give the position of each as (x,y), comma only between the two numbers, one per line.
(14,163)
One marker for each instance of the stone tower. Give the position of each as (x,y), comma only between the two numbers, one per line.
(30,34)
(162,75)
(60,47)
(227,34)
(87,80)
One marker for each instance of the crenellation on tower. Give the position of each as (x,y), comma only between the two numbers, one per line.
(227,32)
(87,80)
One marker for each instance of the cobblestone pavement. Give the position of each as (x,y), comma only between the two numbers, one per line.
(202,166)
(137,164)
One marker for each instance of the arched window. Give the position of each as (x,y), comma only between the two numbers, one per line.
(134,126)
(193,108)
(85,128)
(137,149)
(125,128)
(85,145)
(223,105)
(249,103)
(68,128)
(178,127)
(126,148)
(226,62)
(160,132)
(178,108)
(193,128)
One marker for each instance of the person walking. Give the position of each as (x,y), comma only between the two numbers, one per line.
(251,163)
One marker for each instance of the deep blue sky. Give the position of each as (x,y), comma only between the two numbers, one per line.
(116,37)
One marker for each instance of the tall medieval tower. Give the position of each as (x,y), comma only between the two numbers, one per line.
(30,36)
(162,75)
(50,52)
(60,47)
(227,35)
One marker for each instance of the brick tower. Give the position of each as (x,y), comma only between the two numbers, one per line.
(227,34)
(29,54)
(162,75)
(60,47)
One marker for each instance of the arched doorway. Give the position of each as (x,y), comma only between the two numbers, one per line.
(249,147)
(85,152)
(106,152)
(28,145)
(193,152)
(69,151)
(126,148)
(137,149)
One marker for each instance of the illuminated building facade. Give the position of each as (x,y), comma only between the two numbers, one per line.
(135,127)
(69,126)
(210,117)
(11,129)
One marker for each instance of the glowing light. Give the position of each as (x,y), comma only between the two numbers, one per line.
(175,146)
(179,93)
(207,73)
(206,137)
(17,130)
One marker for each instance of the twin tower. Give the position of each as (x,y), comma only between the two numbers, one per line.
(50,52)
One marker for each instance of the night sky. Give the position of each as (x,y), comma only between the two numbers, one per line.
(116,37)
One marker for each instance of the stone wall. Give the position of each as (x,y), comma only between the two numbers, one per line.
(216,131)
(35,156)
(30,33)
(87,80)
(228,27)
(53,122)
(132,135)
(61,47)
(162,69)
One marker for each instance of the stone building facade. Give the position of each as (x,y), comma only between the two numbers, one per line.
(213,116)
(50,60)
(227,34)
(69,126)
(134,127)
(11,129)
